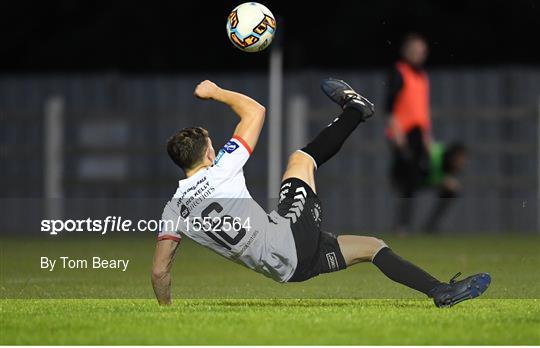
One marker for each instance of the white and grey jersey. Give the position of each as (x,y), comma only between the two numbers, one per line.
(215,209)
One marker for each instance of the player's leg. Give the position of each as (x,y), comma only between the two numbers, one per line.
(409,172)
(356,249)
(404,208)
(301,166)
(329,141)
(318,252)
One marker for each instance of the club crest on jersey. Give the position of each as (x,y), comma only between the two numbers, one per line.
(184,211)
(230,147)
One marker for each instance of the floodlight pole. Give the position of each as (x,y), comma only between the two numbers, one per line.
(275,116)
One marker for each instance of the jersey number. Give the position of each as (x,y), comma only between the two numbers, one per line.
(226,240)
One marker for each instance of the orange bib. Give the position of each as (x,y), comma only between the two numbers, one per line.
(411,107)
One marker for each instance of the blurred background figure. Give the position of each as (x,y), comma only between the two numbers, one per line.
(445,164)
(409,126)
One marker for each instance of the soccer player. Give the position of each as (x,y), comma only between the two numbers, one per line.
(212,206)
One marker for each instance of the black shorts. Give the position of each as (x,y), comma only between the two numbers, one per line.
(317,251)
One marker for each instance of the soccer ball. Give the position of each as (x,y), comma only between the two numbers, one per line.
(251,27)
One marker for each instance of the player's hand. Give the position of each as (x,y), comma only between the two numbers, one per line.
(206,90)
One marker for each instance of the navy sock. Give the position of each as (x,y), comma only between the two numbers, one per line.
(329,141)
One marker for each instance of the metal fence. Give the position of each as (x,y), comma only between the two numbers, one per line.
(115,128)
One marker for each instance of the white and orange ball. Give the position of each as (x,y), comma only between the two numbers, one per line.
(251,27)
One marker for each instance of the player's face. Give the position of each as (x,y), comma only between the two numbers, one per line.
(210,152)
(416,52)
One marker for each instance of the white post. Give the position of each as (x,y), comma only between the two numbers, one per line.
(54,159)
(274,123)
(296,120)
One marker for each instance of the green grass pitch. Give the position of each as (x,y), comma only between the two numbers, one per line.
(218,302)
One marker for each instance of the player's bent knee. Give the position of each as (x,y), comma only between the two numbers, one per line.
(300,159)
(356,249)
(377,244)
(301,166)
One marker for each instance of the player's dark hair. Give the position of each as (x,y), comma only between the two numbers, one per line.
(188,147)
(449,155)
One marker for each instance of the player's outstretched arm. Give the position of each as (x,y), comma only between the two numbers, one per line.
(161,270)
(251,113)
